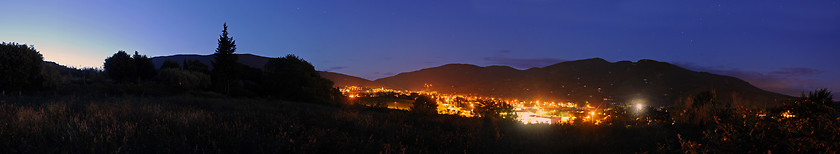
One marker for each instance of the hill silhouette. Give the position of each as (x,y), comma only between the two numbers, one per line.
(343,80)
(247,59)
(590,80)
(259,62)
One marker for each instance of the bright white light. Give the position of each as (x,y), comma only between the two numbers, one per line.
(639,105)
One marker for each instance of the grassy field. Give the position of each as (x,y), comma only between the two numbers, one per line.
(199,124)
(391,103)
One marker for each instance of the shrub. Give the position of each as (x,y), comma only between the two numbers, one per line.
(424,105)
(120,67)
(20,68)
(495,110)
(295,79)
(184,78)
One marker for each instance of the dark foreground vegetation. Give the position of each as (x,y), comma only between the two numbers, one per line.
(194,124)
(188,123)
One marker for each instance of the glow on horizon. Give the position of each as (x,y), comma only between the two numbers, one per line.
(65,51)
(63,40)
(71,54)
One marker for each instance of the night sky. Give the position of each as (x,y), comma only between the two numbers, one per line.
(783,46)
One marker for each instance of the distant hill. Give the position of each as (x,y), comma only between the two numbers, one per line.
(342,80)
(450,77)
(259,62)
(247,59)
(593,80)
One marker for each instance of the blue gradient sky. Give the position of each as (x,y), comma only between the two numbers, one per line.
(785,46)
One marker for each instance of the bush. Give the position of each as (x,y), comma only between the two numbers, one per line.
(20,68)
(184,79)
(54,75)
(496,110)
(804,125)
(120,67)
(295,79)
(424,105)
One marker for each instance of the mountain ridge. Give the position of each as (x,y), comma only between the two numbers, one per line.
(259,62)
(587,80)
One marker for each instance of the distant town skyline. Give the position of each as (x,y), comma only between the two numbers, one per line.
(781,46)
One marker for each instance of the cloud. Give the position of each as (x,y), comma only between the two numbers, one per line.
(789,81)
(796,72)
(335,68)
(523,62)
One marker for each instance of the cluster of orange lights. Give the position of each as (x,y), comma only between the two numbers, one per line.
(529,112)
(534,112)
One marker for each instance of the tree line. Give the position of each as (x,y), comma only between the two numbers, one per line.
(288,78)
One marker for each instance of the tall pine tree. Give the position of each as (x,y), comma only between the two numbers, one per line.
(225,73)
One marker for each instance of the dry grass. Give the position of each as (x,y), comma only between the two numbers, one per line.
(184,124)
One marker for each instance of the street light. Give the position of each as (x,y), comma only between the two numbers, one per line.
(639,105)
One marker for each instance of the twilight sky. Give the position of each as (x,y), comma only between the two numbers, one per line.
(785,46)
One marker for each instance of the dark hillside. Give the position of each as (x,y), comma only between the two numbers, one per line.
(449,77)
(590,80)
(342,80)
(247,59)
(259,62)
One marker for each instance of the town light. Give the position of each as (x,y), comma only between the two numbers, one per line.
(638,106)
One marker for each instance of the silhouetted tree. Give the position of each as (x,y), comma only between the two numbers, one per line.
(195,66)
(169,64)
(293,78)
(20,68)
(144,65)
(495,110)
(121,67)
(225,71)
(424,105)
